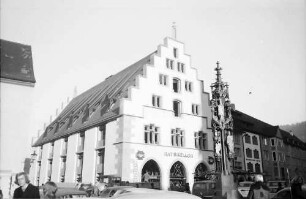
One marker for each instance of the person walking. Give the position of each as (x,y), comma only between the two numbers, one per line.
(296,185)
(25,189)
(259,190)
(49,190)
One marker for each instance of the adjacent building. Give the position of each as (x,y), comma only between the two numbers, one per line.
(263,148)
(17,100)
(152,117)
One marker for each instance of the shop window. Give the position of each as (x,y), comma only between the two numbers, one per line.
(163,79)
(195,109)
(256,154)
(156,101)
(200,140)
(176,85)
(151,134)
(177,108)
(255,140)
(169,64)
(248,153)
(177,137)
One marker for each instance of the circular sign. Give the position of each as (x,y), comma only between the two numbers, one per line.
(140,155)
(210,160)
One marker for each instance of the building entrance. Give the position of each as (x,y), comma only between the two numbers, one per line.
(150,172)
(200,172)
(177,177)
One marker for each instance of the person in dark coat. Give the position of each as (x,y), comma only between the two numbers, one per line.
(25,189)
(296,185)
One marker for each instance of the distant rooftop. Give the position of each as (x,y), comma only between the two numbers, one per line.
(16,63)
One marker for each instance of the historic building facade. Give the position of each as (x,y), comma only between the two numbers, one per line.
(263,148)
(153,117)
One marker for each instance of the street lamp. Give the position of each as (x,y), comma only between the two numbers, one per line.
(33,156)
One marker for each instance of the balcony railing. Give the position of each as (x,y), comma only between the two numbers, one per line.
(100,144)
(99,168)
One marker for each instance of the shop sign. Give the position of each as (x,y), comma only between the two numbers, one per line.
(140,155)
(175,154)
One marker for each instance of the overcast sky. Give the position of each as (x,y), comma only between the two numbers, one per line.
(260,44)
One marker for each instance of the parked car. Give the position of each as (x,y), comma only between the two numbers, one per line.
(273,185)
(70,193)
(119,190)
(244,188)
(157,194)
(286,194)
(204,189)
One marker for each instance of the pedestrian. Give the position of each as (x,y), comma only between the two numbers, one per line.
(25,189)
(49,190)
(258,189)
(146,176)
(296,185)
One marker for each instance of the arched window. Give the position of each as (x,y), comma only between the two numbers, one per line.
(257,168)
(256,154)
(247,139)
(248,153)
(200,172)
(250,167)
(255,140)
(177,176)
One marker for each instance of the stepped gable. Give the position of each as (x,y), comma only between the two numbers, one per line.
(97,105)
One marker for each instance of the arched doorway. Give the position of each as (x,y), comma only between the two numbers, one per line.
(150,172)
(200,172)
(177,177)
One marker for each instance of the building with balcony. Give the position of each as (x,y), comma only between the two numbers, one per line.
(152,117)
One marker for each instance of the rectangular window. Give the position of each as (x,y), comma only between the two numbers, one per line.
(195,109)
(169,64)
(274,156)
(237,151)
(266,154)
(151,134)
(177,108)
(163,79)
(156,101)
(188,86)
(101,136)
(200,140)
(265,141)
(272,142)
(180,67)
(176,85)
(177,137)
(175,52)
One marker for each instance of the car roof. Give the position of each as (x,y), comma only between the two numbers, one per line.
(119,187)
(69,191)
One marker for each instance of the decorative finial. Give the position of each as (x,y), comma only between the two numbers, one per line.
(218,69)
(174,30)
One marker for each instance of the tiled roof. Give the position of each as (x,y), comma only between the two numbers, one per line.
(244,122)
(16,62)
(95,106)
